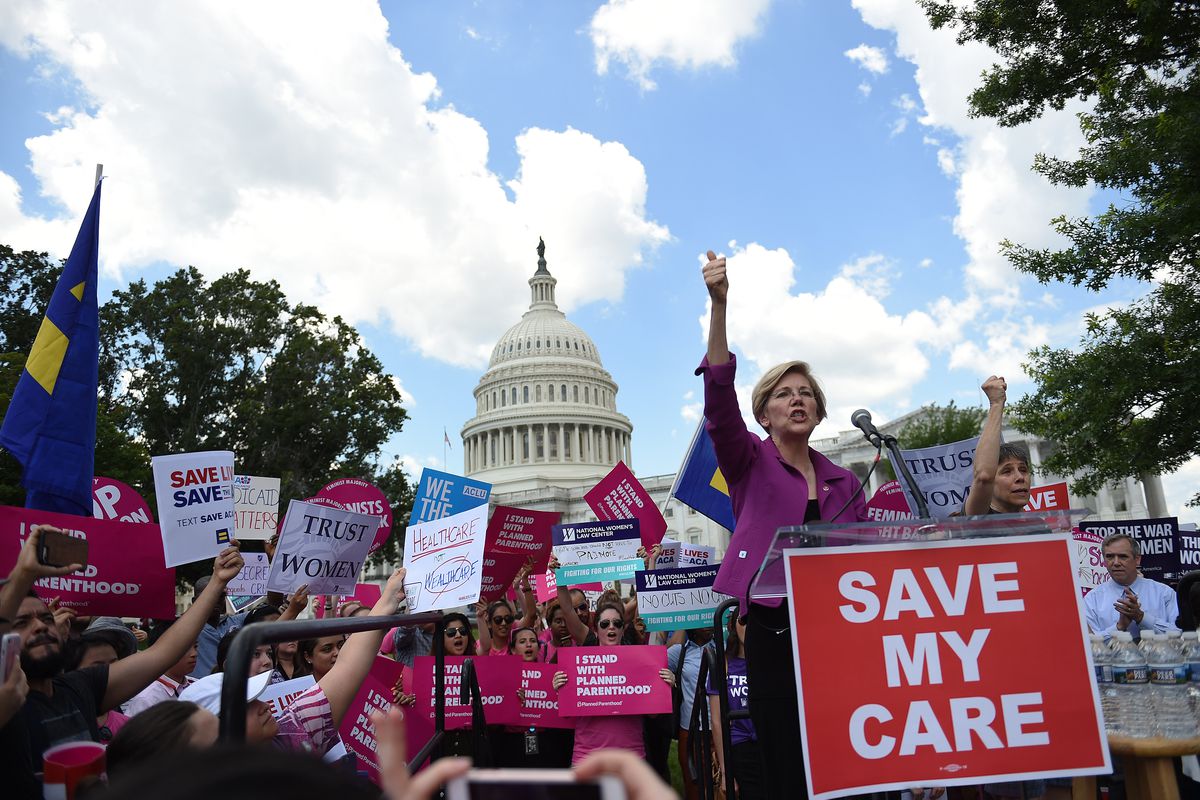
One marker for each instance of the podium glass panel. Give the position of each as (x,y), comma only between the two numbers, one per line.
(770,583)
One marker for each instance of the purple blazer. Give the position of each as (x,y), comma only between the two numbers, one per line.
(767,492)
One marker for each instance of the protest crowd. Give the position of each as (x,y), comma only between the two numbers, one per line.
(586,674)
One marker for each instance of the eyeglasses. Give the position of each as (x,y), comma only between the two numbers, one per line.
(456,632)
(581,608)
(502,620)
(605,624)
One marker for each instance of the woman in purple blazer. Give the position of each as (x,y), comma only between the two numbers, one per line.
(773,482)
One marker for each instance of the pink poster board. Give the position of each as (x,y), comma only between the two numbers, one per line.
(126,575)
(457,715)
(499,569)
(522,532)
(618,495)
(546,588)
(114,500)
(533,700)
(355,494)
(374,694)
(606,681)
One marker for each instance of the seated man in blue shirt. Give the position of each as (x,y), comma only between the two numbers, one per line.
(1128,602)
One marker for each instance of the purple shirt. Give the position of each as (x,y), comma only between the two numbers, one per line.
(767,492)
(740,730)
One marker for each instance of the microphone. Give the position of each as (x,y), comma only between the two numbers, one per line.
(861,419)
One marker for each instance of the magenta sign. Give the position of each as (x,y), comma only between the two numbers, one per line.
(354,494)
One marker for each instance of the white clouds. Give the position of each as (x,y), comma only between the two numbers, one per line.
(685,34)
(592,196)
(1179,487)
(863,354)
(293,139)
(692,410)
(872,59)
(999,196)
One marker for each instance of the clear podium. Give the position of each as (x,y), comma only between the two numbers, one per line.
(770,584)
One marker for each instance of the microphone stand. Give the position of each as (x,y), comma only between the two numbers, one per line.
(893,447)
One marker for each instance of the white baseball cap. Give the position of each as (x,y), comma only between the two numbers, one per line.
(206,692)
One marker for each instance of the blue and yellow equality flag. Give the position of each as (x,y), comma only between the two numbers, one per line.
(700,484)
(50,425)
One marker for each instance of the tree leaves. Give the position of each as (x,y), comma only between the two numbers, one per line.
(1118,405)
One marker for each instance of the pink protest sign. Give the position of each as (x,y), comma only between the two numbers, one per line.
(359,496)
(457,714)
(604,681)
(618,495)
(125,577)
(367,593)
(546,588)
(112,499)
(499,569)
(532,686)
(888,503)
(521,531)
(374,694)
(418,728)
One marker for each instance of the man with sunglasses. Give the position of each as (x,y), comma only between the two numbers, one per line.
(579,602)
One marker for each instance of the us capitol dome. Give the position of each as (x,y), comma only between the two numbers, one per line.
(546,408)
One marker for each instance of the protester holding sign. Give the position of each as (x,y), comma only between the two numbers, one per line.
(623,731)
(63,707)
(310,722)
(772,483)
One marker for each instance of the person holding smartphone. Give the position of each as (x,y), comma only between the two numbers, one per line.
(624,732)
(63,707)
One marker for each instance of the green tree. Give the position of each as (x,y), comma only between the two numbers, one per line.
(1121,404)
(186,364)
(936,425)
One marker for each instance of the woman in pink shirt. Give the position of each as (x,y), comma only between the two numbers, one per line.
(594,733)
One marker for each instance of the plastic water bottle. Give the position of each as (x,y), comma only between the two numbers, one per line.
(1131,679)
(1145,639)
(1102,661)
(1169,688)
(1191,655)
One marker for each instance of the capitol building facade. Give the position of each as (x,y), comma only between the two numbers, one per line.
(547,428)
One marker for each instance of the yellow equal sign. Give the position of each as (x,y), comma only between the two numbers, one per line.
(718,482)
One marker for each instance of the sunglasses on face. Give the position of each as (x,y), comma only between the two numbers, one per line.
(581,608)
(456,632)
(502,620)
(605,624)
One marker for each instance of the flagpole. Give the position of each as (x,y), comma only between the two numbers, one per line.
(99,174)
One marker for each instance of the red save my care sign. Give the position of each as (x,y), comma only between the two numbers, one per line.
(968,663)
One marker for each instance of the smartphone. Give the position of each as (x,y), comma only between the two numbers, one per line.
(532,784)
(57,549)
(10,649)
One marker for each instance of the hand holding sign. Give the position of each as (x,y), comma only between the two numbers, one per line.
(715,278)
(228,564)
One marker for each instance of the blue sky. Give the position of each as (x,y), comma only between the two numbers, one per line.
(396,162)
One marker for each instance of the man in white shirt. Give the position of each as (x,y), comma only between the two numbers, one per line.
(1128,602)
(165,687)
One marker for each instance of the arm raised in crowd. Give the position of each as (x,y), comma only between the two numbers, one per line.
(296,603)
(130,675)
(579,632)
(987,452)
(358,653)
(528,601)
(27,570)
(718,291)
